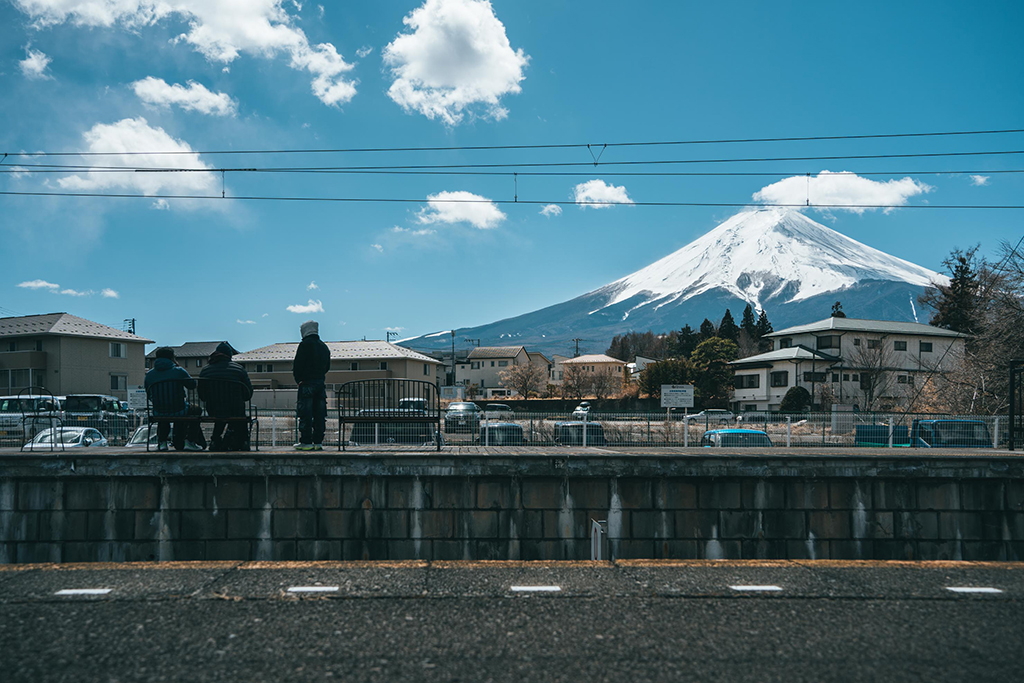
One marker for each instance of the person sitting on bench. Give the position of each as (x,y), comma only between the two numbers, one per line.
(226,399)
(166,386)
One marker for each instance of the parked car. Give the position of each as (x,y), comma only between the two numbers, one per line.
(141,435)
(712,415)
(950,434)
(497,410)
(462,416)
(735,438)
(22,417)
(571,433)
(582,411)
(500,434)
(389,432)
(97,410)
(416,404)
(753,416)
(66,437)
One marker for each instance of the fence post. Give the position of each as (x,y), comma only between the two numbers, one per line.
(789,430)
(648,429)
(995,433)
(273,431)
(686,432)
(585,429)
(891,429)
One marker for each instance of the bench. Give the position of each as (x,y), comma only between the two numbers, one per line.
(209,401)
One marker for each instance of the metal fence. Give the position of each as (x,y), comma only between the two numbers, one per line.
(820,430)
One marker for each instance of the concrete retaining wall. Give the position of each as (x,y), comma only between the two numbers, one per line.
(518,507)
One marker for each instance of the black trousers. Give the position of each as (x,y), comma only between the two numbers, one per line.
(311,409)
(190,430)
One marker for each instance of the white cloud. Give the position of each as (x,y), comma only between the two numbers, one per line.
(136,135)
(459,207)
(393,329)
(312,285)
(311,307)
(841,188)
(264,315)
(109,293)
(378,247)
(599,191)
(551,210)
(161,205)
(245,322)
(456,56)
(75,292)
(979,180)
(195,97)
(363,51)
(39,284)
(220,30)
(34,65)
(422,232)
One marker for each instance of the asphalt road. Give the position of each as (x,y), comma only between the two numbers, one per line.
(412,621)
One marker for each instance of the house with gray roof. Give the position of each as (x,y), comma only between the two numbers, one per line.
(191,355)
(481,372)
(270,367)
(69,355)
(871,364)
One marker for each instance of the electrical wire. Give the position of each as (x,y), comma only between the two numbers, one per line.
(397,200)
(810,138)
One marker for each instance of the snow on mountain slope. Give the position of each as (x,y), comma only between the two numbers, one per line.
(761,255)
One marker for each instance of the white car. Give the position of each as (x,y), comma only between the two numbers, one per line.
(66,437)
(712,415)
(582,411)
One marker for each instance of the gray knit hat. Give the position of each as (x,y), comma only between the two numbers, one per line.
(310,327)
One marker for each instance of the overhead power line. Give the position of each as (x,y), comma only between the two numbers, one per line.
(579,145)
(397,200)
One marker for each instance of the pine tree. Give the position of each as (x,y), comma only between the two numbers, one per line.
(727,329)
(749,323)
(957,306)
(764,327)
(837,310)
(707,330)
(686,341)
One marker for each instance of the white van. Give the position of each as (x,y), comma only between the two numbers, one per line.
(22,417)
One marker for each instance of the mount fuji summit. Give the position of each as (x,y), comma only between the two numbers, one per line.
(777,260)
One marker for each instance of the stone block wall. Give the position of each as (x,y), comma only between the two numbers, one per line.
(363,509)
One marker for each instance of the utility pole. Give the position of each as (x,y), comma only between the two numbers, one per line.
(475,342)
(577,340)
(453,358)
(128,325)
(389,333)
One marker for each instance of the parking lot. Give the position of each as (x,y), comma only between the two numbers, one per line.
(629,620)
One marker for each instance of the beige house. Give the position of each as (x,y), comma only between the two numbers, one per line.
(270,367)
(482,369)
(69,355)
(873,364)
(594,364)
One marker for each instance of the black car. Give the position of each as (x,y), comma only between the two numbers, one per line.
(462,417)
(501,434)
(571,433)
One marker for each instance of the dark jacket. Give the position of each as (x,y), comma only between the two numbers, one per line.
(168,397)
(223,399)
(312,360)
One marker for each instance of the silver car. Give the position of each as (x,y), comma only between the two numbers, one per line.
(66,437)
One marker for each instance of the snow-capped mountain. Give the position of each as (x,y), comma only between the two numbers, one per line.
(778,260)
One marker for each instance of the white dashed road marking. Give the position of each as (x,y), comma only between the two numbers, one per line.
(755,588)
(536,589)
(313,589)
(973,589)
(84,591)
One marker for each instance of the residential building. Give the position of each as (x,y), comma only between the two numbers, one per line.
(870,364)
(595,363)
(556,369)
(69,355)
(270,367)
(191,355)
(481,371)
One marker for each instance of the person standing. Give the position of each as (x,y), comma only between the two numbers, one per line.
(312,362)
(228,401)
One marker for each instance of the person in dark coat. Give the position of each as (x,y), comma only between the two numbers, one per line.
(225,399)
(312,362)
(166,386)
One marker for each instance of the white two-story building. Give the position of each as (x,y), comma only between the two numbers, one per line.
(871,364)
(481,372)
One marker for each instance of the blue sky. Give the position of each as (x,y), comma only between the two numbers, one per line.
(110,76)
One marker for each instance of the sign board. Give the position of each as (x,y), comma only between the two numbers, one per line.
(450,393)
(136,398)
(676,395)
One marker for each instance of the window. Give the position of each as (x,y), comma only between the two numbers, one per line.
(855,377)
(814,376)
(780,379)
(118,350)
(874,343)
(259,367)
(905,379)
(750,407)
(39,345)
(925,347)
(19,379)
(785,343)
(492,363)
(828,342)
(426,369)
(502,363)
(856,341)
(354,365)
(618,368)
(846,377)
(835,376)
(383,365)
(270,367)
(476,365)
(199,362)
(12,346)
(747,381)
(899,346)
(119,382)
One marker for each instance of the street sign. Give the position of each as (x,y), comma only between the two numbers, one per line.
(676,395)
(136,398)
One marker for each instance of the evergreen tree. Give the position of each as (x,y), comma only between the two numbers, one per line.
(764,327)
(957,306)
(672,371)
(707,330)
(837,310)
(796,400)
(713,377)
(686,341)
(727,329)
(749,323)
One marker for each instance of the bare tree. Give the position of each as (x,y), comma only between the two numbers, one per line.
(575,381)
(524,378)
(604,383)
(876,366)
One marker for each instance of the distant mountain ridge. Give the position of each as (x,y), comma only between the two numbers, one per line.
(779,260)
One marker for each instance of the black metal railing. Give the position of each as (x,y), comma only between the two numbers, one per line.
(388,412)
